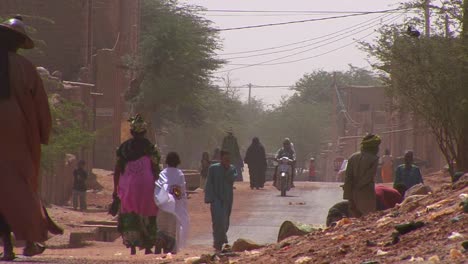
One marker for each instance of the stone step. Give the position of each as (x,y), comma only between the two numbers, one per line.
(105,223)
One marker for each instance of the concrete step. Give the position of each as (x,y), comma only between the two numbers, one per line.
(105,223)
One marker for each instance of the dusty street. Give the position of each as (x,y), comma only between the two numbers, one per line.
(257,215)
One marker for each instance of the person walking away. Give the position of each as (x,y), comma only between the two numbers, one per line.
(312,173)
(216,155)
(359,184)
(230,144)
(387,167)
(408,174)
(171,199)
(219,194)
(136,171)
(255,158)
(205,165)
(26,124)
(79,186)
(286,151)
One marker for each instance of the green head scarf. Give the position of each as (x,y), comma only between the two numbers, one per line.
(137,124)
(370,143)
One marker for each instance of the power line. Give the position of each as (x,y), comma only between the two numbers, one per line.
(306,20)
(304,41)
(354,28)
(290,11)
(266,63)
(258,87)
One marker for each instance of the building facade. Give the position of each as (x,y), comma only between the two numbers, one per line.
(92,36)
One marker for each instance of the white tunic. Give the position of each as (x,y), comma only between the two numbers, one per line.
(167,202)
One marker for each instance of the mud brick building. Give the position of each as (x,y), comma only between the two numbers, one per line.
(366,109)
(92,36)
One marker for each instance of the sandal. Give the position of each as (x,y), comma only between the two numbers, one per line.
(33,250)
(7,257)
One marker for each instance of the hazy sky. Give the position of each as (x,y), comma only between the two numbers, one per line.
(347,31)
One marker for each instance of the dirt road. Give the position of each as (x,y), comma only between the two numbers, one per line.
(257,215)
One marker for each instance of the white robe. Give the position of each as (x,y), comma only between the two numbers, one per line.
(168,203)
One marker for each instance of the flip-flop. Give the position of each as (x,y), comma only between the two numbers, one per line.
(8,257)
(34,250)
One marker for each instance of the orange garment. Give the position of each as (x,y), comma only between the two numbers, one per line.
(25,124)
(387,169)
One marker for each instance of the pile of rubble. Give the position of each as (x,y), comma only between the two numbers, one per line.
(428,228)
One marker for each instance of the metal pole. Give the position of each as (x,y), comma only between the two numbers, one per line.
(250,93)
(427,17)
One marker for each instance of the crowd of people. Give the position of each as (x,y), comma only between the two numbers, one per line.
(150,202)
(362,196)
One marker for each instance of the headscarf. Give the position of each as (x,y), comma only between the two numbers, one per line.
(255,141)
(371,143)
(137,124)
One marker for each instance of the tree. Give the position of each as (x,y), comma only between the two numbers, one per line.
(315,86)
(426,76)
(175,62)
(68,134)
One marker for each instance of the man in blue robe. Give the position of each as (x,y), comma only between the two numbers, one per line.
(408,173)
(219,194)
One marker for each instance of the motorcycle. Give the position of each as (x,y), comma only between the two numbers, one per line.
(283,179)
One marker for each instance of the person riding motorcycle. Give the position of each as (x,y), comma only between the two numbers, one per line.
(286,151)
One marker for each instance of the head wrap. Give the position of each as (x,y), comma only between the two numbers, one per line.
(371,143)
(137,124)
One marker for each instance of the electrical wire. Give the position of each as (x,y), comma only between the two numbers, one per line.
(266,63)
(306,20)
(304,41)
(289,11)
(374,23)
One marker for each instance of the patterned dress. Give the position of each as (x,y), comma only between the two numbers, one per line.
(138,164)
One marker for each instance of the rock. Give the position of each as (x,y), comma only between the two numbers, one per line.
(303,260)
(289,229)
(370,243)
(417,259)
(241,245)
(381,253)
(464,204)
(456,219)
(199,260)
(343,222)
(455,254)
(412,202)
(455,236)
(418,189)
(434,259)
(465,244)
(461,183)
(408,227)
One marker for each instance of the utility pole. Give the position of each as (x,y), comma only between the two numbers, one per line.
(427,17)
(250,93)
(334,132)
(463,145)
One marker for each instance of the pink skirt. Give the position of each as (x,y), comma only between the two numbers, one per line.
(136,188)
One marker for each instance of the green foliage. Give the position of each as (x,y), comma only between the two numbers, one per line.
(316,86)
(177,57)
(68,135)
(427,76)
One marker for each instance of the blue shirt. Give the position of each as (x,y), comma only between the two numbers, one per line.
(219,183)
(408,176)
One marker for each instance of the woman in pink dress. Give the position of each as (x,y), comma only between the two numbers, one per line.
(136,170)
